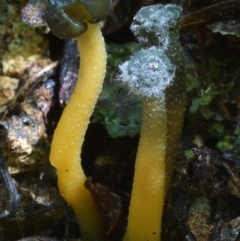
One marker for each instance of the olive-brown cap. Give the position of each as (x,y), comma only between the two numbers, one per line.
(67,18)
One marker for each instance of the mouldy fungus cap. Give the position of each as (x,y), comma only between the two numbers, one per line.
(67,18)
(154,25)
(148,73)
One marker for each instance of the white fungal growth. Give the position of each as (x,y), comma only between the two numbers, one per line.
(157,25)
(148,73)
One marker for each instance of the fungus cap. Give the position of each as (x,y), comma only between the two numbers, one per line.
(148,73)
(155,25)
(67,18)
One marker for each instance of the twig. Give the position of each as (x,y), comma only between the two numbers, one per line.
(10,185)
(205,15)
(38,238)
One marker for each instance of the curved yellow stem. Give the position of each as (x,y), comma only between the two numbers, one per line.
(69,134)
(147,199)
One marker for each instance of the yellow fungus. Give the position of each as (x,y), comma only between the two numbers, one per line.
(69,134)
(156,73)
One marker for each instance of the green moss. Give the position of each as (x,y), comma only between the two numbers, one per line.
(211,84)
(229,143)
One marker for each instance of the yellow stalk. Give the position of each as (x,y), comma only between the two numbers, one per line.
(69,134)
(147,199)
